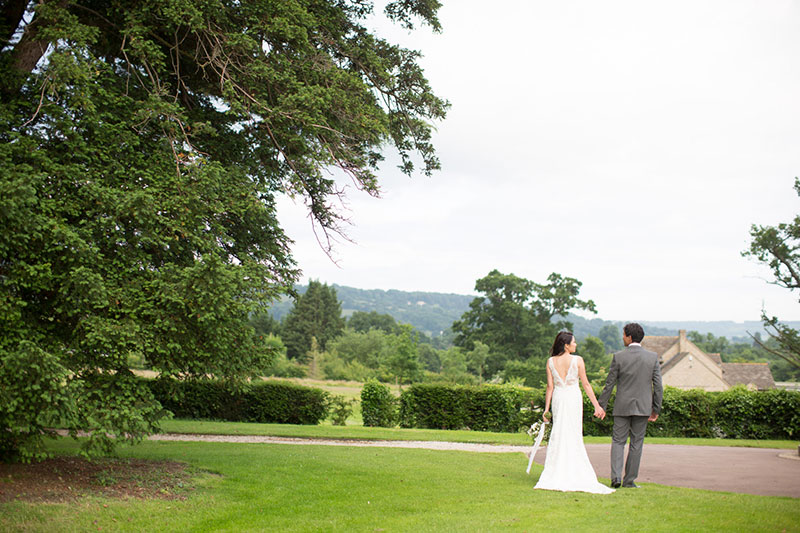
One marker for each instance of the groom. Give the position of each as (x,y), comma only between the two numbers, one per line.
(637,376)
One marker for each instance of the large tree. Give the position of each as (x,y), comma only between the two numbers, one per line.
(143,145)
(514,317)
(779,248)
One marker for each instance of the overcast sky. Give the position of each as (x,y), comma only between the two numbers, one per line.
(627,144)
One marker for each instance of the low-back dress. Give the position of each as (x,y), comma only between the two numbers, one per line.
(567,467)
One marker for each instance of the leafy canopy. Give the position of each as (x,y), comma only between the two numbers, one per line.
(514,316)
(142,148)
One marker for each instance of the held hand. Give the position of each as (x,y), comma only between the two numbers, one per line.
(653,417)
(546,416)
(600,413)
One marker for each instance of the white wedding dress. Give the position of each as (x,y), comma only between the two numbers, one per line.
(567,467)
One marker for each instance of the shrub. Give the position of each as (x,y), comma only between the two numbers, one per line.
(341,408)
(485,408)
(378,406)
(263,402)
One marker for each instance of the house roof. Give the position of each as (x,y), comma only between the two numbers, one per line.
(673,361)
(746,373)
(658,343)
(717,358)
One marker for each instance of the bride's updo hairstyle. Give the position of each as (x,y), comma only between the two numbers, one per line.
(562,339)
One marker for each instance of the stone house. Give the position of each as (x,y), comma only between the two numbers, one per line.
(685,366)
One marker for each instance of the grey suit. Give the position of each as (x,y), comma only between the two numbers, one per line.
(637,375)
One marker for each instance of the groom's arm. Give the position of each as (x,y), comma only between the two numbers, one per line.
(611,380)
(658,390)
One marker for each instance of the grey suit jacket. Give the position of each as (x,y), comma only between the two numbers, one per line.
(637,376)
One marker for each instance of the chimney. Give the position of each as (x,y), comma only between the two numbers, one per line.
(683,343)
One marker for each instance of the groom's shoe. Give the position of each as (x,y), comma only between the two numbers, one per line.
(615,483)
(631,486)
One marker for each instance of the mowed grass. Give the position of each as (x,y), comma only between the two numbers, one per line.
(270,487)
(328,431)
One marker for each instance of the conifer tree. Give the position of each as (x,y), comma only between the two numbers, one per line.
(317,314)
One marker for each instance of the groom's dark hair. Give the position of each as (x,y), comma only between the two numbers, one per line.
(634,331)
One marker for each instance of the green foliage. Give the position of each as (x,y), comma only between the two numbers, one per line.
(429,358)
(737,413)
(453,367)
(484,408)
(262,401)
(514,316)
(686,413)
(779,248)
(362,322)
(611,337)
(476,359)
(33,398)
(378,406)
(281,366)
(595,357)
(531,373)
(341,408)
(364,348)
(317,314)
(745,414)
(403,361)
(264,324)
(140,163)
(333,367)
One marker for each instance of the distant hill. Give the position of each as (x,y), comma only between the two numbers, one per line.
(429,312)
(434,312)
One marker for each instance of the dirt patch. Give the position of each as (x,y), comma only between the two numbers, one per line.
(67,478)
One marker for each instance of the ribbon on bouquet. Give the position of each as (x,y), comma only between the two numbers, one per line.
(535,427)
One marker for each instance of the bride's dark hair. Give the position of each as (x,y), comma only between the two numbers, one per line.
(562,339)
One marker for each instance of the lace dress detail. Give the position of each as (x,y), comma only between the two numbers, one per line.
(567,467)
(572,373)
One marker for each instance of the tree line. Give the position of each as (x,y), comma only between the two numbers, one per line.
(504,337)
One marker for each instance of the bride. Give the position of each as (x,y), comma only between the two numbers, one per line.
(567,467)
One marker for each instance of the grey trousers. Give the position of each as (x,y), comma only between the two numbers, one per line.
(624,426)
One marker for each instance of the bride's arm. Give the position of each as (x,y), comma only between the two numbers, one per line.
(586,385)
(548,395)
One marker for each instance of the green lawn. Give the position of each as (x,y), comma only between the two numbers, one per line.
(265,487)
(367,433)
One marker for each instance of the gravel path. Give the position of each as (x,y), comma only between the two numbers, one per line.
(768,472)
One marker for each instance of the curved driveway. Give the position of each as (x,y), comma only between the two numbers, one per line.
(746,470)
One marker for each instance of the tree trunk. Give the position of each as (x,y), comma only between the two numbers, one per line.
(11,12)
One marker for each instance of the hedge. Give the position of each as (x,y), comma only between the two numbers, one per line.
(737,413)
(263,402)
(480,408)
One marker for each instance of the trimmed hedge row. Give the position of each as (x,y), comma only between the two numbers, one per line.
(483,408)
(263,402)
(737,413)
